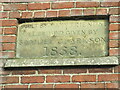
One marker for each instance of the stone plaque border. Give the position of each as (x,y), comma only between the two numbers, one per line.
(102,9)
(61,62)
(106,60)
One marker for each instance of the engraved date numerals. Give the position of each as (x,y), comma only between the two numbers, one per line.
(63,51)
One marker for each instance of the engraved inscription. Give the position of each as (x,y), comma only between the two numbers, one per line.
(54,51)
(63,39)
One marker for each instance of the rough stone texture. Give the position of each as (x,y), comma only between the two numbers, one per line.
(61,62)
(63,39)
(2,62)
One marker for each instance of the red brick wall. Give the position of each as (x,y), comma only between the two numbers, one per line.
(61,77)
(57,77)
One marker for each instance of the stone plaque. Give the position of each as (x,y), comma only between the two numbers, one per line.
(62,39)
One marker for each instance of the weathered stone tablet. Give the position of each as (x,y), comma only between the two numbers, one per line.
(62,39)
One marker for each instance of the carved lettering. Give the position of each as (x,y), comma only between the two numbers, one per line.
(55,51)
(64,51)
(59,39)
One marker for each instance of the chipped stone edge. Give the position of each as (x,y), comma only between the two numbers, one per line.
(62,62)
(2,63)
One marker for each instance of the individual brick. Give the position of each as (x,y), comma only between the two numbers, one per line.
(108,77)
(114,11)
(114,27)
(110,4)
(9,79)
(51,14)
(63,13)
(3,14)
(24,87)
(114,35)
(32,79)
(75,86)
(23,72)
(14,15)
(49,71)
(8,23)
(102,11)
(27,14)
(14,7)
(87,4)
(92,85)
(9,39)
(56,79)
(84,78)
(41,86)
(117,69)
(75,71)
(4,72)
(114,52)
(9,54)
(38,6)
(114,43)
(39,14)
(76,12)
(112,85)
(62,5)
(100,70)
(1,31)
(9,30)
(8,46)
(89,11)
(114,19)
